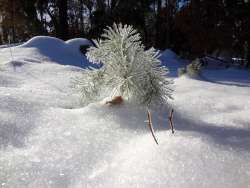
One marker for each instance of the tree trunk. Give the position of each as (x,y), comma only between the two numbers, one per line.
(158,25)
(81,18)
(13,30)
(63,15)
(168,20)
(195,4)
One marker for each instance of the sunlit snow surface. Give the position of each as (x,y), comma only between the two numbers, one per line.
(48,139)
(41,49)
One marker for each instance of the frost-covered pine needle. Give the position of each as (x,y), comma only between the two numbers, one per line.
(128,69)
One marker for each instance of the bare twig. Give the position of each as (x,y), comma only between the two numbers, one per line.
(150,125)
(170,119)
(11,54)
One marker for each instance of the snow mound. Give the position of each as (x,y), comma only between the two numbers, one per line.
(49,49)
(169,54)
(172,62)
(44,42)
(77,42)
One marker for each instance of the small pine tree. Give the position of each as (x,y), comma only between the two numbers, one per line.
(128,69)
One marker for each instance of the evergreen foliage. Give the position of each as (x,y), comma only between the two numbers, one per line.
(194,68)
(128,69)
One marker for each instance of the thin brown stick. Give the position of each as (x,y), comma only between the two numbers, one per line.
(170,119)
(150,125)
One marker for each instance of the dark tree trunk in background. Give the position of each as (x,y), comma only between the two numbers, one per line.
(196,16)
(159,2)
(13,29)
(63,15)
(100,4)
(169,17)
(81,18)
(196,27)
(195,4)
(113,4)
(158,25)
(31,12)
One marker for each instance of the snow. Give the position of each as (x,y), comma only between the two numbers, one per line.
(77,42)
(230,76)
(43,49)
(172,61)
(49,139)
(10,45)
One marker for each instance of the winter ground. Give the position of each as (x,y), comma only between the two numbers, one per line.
(48,139)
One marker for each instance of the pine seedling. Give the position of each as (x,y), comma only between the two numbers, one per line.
(128,70)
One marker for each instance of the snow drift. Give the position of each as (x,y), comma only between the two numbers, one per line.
(172,61)
(44,49)
(48,139)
